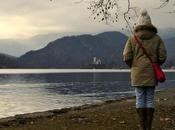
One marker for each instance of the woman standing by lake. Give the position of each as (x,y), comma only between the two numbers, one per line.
(142,74)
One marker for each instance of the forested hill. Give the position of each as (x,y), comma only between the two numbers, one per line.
(7,61)
(78,52)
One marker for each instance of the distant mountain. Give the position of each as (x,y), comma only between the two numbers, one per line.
(7,61)
(12,47)
(167,33)
(170,46)
(78,52)
(18,47)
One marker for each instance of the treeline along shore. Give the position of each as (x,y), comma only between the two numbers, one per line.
(109,115)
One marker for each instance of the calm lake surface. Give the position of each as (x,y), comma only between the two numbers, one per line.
(30,90)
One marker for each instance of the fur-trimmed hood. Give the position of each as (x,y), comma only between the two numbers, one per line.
(145,31)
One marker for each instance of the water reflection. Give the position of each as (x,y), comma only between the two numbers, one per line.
(23,93)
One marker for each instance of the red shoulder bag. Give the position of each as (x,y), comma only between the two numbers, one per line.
(159,74)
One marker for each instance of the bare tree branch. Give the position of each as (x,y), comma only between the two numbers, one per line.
(104,10)
(108,11)
(125,16)
(163,4)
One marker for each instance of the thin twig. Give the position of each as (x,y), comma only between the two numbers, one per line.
(163,4)
(125,14)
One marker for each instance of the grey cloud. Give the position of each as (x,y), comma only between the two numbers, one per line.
(61,17)
(43,14)
(30,6)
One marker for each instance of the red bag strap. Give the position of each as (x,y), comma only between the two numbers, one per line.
(143,49)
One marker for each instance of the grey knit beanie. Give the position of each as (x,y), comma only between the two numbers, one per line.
(144,18)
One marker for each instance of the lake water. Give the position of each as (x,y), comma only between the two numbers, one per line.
(30,90)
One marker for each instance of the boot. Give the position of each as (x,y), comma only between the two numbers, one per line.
(150,114)
(142,117)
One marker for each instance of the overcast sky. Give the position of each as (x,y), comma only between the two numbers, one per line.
(26,18)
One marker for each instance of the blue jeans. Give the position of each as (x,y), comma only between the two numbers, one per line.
(145,97)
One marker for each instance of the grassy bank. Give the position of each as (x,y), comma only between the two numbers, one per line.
(111,115)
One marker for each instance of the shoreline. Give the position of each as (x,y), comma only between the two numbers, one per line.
(53,71)
(88,104)
(163,98)
(21,118)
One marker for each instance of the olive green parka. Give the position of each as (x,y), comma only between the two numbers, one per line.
(141,70)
